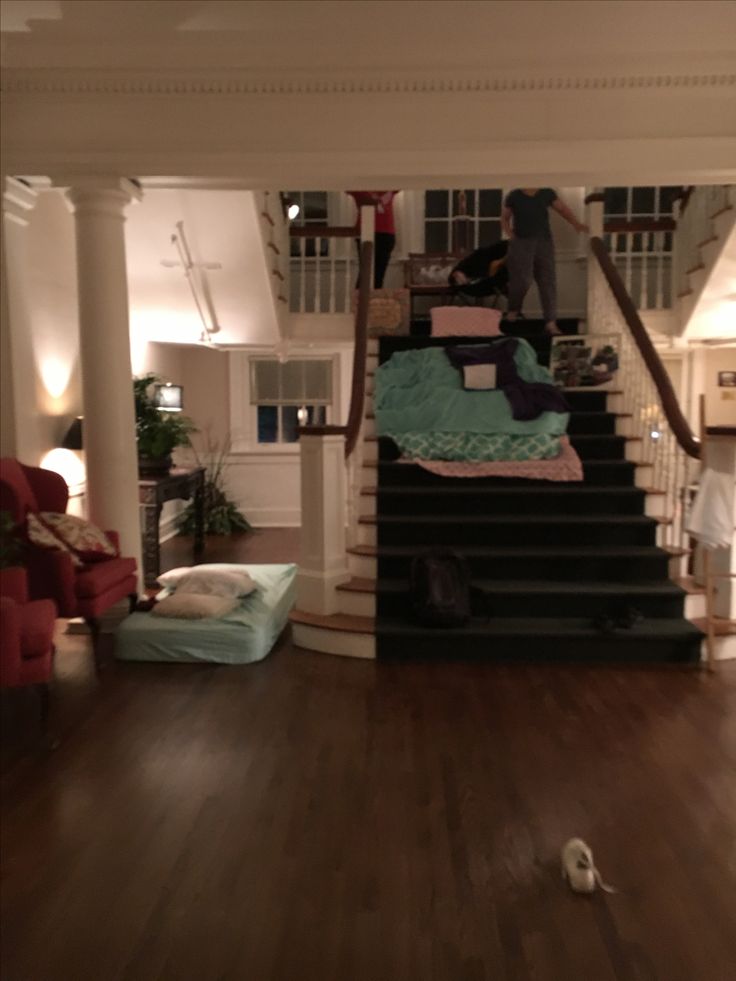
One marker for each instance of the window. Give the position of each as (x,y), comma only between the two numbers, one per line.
(460,221)
(312,211)
(639,204)
(289,394)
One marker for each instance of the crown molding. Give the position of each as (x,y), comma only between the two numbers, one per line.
(45,81)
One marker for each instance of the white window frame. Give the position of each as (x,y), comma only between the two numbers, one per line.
(244,416)
(475,219)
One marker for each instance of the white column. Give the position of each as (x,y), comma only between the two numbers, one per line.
(104,346)
(594,221)
(323,562)
(368,234)
(19,435)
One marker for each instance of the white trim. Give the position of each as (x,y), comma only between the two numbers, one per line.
(88,83)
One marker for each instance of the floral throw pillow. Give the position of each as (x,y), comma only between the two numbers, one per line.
(81,537)
(43,537)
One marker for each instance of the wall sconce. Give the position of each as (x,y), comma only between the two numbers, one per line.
(302,415)
(73,438)
(168,397)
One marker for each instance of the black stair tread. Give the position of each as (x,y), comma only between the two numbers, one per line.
(579,489)
(651,629)
(511,519)
(508,551)
(661,587)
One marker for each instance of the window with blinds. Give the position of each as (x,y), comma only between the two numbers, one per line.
(289,394)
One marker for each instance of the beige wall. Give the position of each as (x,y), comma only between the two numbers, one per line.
(720,403)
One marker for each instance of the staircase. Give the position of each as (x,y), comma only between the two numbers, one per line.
(547,558)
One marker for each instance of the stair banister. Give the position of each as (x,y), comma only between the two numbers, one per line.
(668,451)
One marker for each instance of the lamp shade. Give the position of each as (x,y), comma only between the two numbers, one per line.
(169,398)
(73,438)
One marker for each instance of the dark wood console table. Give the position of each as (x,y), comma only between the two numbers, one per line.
(178,484)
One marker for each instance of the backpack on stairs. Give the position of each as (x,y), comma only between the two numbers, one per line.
(440,589)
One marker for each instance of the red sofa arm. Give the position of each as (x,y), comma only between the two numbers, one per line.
(51,575)
(10,625)
(14,583)
(114,537)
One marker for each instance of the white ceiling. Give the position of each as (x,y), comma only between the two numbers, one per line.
(324,35)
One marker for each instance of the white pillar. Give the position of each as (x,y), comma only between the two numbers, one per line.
(323,562)
(594,221)
(20,435)
(368,234)
(104,346)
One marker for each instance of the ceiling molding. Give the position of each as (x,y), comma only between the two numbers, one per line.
(30,82)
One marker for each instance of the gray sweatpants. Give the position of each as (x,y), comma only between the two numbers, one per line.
(532,258)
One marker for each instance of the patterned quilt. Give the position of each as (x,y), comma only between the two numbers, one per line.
(468,447)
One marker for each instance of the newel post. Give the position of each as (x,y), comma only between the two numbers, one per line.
(323,562)
(594,205)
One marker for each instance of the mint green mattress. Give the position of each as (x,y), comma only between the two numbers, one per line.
(242,637)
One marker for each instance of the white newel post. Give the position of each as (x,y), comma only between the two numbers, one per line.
(104,344)
(20,437)
(323,563)
(368,233)
(594,221)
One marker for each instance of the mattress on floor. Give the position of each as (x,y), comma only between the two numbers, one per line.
(241,637)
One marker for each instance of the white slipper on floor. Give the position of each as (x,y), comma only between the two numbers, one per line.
(579,869)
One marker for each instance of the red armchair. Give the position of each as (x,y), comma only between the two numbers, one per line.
(26,637)
(77,592)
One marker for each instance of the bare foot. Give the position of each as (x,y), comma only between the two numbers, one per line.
(552,328)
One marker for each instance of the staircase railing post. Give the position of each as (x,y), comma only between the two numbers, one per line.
(594,205)
(323,562)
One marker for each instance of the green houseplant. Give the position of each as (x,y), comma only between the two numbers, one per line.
(158,433)
(221,515)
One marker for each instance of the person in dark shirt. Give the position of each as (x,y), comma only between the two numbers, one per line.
(525,219)
(482,272)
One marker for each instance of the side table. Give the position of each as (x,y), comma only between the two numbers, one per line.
(179,483)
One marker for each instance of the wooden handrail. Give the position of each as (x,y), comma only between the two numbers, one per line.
(614,225)
(673,413)
(357,397)
(351,429)
(323,231)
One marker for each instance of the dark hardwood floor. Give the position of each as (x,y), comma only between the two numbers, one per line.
(311,818)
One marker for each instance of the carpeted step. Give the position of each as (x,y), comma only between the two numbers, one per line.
(533,598)
(619,473)
(553,563)
(389,345)
(586,400)
(526,640)
(514,530)
(468,498)
(597,447)
(592,424)
(533,327)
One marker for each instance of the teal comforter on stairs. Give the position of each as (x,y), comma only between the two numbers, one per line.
(421,404)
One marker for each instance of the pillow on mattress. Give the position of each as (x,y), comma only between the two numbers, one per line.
(220,582)
(208,581)
(194,606)
(465,322)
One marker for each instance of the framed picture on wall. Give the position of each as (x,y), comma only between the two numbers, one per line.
(727,379)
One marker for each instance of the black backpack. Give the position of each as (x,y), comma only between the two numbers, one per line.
(440,589)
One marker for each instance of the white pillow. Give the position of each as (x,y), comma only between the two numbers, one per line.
(169,579)
(216,582)
(479,377)
(194,606)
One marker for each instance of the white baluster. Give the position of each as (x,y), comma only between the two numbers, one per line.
(302,275)
(347,256)
(318,275)
(331,243)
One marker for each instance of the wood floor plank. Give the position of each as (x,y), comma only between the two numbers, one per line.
(316,818)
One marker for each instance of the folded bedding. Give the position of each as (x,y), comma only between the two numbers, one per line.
(420,392)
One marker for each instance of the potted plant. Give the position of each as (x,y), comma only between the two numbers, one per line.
(221,515)
(158,432)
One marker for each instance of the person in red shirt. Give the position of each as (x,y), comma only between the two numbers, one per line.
(385,228)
